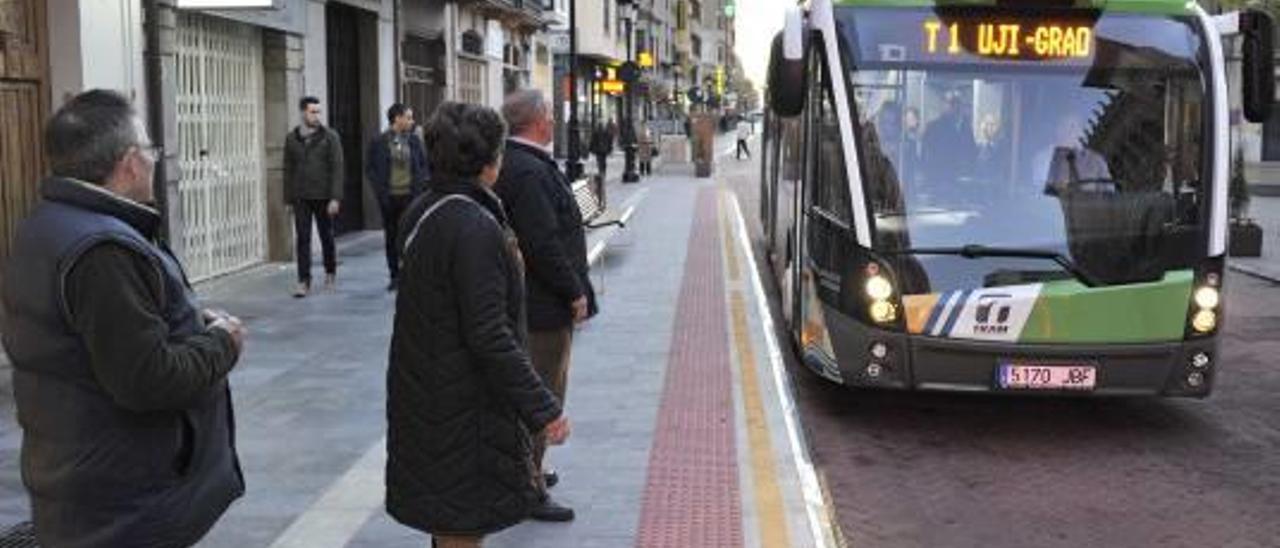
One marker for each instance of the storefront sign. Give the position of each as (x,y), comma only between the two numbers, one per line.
(558,42)
(612,87)
(228,4)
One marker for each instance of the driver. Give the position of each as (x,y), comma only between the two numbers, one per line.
(1070,165)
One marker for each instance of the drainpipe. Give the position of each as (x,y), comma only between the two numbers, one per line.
(155,110)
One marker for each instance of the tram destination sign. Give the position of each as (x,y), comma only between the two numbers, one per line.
(978,36)
(1012,40)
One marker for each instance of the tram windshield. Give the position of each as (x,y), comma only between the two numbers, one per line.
(1077,133)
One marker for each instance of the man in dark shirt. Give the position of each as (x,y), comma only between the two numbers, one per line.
(397,171)
(548,225)
(313,177)
(120,378)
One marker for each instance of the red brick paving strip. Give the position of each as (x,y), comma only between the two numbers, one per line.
(692,497)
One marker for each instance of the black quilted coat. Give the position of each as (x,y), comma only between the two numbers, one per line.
(462,395)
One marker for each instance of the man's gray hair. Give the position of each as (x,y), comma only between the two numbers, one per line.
(87,136)
(524,108)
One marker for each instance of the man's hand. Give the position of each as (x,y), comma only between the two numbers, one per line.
(580,309)
(334,207)
(558,431)
(219,319)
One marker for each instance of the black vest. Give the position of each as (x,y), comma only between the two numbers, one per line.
(99,474)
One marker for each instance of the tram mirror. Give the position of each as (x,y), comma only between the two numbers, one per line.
(1259,86)
(787,80)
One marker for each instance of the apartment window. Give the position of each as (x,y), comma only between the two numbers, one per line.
(608,20)
(695,46)
(695,8)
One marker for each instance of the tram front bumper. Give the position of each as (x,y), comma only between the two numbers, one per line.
(929,363)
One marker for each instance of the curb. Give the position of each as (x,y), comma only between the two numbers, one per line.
(1264,189)
(1253,272)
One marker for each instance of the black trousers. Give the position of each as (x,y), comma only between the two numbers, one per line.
(602,163)
(742,147)
(392,211)
(304,212)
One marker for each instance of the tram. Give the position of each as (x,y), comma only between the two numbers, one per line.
(1006,197)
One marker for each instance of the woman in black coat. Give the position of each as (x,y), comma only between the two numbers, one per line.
(462,395)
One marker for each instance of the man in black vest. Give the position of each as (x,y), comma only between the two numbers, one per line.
(120,378)
(548,225)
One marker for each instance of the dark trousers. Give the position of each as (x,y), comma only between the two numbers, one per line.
(742,148)
(602,163)
(304,211)
(392,211)
(549,351)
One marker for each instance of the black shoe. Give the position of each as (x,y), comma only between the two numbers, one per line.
(393,285)
(550,478)
(551,510)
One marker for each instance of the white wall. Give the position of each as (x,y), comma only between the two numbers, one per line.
(592,36)
(96,44)
(315,79)
(388,94)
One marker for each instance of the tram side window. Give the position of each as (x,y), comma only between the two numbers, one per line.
(828,183)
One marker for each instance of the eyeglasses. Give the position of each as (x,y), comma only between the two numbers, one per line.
(152,150)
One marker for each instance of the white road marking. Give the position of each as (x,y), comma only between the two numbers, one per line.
(338,515)
(815,504)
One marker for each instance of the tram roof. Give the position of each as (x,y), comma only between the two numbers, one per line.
(1166,7)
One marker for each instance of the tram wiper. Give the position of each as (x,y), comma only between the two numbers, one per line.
(975,251)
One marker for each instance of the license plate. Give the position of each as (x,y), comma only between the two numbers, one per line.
(1016,376)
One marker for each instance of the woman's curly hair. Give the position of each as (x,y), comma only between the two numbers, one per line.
(463,138)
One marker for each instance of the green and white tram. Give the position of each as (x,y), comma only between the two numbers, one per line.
(999,196)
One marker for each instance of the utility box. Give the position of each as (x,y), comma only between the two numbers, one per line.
(704,139)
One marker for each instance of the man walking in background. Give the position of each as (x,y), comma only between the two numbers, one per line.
(120,379)
(548,226)
(397,171)
(313,175)
(744,133)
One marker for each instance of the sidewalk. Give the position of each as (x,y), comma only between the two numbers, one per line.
(1265,210)
(682,429)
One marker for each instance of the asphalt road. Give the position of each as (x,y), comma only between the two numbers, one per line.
(959,470)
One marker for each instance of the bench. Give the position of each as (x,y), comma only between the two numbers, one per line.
(596,214)
(590,195)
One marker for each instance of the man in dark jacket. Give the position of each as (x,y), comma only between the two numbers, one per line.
(547,222)
(120,379)
(601,147)
(462,396)
(397,171)
(313,177)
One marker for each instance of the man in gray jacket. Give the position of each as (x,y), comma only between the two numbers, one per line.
(313,177)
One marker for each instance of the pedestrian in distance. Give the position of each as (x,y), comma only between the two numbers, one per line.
(120,378)
(539,202)
(462,394)
(601,147)
(645,150)
(397,171)
(313,176)
(744,133)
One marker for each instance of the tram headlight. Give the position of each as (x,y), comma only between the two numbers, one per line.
(1207,298)
(1204,321)
(879,288)
(883,311)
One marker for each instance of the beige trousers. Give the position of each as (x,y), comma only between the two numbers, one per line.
(550,352)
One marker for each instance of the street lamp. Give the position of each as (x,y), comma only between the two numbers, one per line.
(573,168)
(630,74)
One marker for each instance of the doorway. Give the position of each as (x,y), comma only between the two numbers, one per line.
(24,106)
(350,40)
